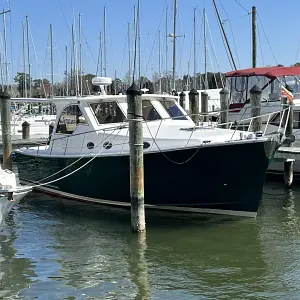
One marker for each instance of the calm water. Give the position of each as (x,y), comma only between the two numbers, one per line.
(59,249)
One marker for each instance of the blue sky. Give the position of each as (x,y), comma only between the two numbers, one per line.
(281,30)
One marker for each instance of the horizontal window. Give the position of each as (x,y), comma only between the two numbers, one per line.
(107,112)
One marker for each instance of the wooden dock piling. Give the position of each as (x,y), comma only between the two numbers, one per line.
(135,119)
(194,106)
(25,130)
(204,106)
(6,130)
(288,122)
(224,96)
(255,99)
(182,100)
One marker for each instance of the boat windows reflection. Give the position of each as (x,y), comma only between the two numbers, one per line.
(70,117)
(172,109)
(107,112)
(149,111)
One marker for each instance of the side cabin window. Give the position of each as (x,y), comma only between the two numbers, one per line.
(70,117)
(107,112)
(173,110)
(149,111)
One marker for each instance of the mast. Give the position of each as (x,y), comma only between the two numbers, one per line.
(205,51)
(80,55)
(104,39)
(174,44)
(224,34)
(254,37)
(167,81)
(67,83)
(159,62)
(133,42)
(74,60)
(24,61)
(194,81)
(101,55)
(115,82)
(139,40)
(5,47)
(28,56)
(129,60)
(51,58)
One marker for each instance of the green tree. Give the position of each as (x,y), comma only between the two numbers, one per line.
(19,79)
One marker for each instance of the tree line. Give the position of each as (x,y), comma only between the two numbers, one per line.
(74,84)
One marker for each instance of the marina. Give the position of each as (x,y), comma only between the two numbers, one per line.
(167,171)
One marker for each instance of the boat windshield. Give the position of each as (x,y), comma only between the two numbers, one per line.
(172,109)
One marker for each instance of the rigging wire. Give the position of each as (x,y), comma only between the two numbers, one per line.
(233,39)
(260,47)
(242,6)
(64,17)
(267,38)
(214,49)
(152,48)
(224,44)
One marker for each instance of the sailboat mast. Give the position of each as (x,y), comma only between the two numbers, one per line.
(101,55)
(254,37)
(224,34)
(5,47)
(205,50)
(75,73)
(194,81)
(51,58)
(67,83)
(104,39)
(129,58)
(174,44)
(159,61)
(167,81)
(80,55)
(28,55)
(115,85)
(139,39)
(24,61)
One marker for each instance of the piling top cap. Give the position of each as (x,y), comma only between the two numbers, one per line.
(224,91)
(133,90)
(4,95)
(181,94)
(204,93)
(25,123)
(255,90)
(193,92)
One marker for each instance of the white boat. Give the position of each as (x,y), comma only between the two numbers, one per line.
(270,80)
(87,157)
(10,193)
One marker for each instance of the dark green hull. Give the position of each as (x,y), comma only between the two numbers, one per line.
(221,179)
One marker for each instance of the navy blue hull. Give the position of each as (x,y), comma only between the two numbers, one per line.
(227,177)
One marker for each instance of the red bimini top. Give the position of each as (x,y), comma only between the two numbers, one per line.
(270,72)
